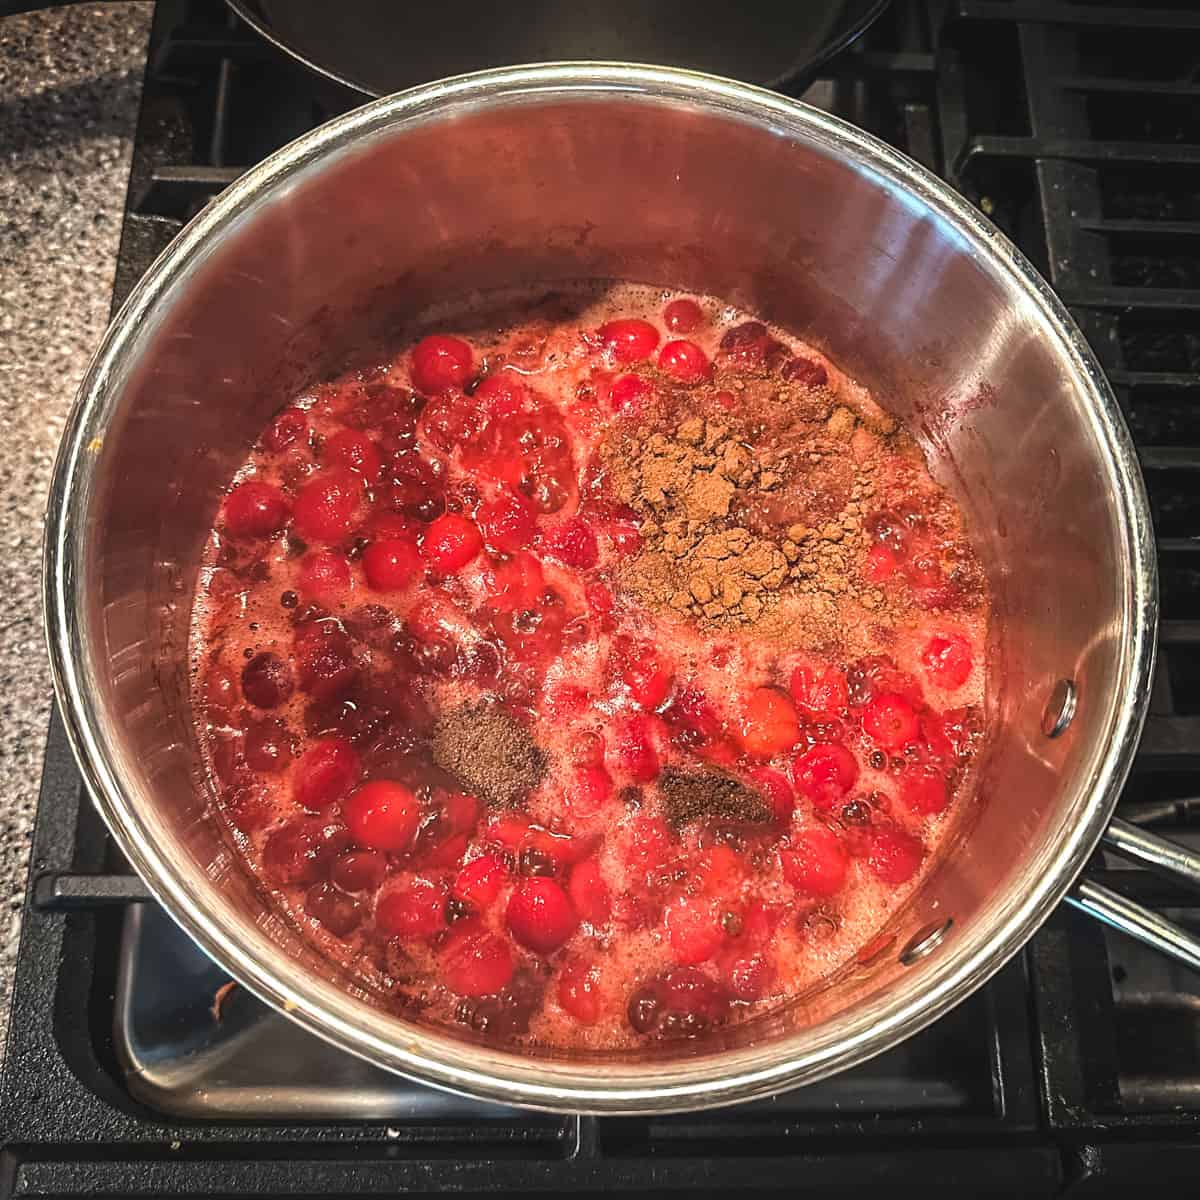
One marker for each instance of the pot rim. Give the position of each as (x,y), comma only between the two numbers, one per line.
(706,1080)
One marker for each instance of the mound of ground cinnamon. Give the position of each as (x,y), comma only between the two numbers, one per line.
(709,796)
(490,752)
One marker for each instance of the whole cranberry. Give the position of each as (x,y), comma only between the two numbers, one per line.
(267,680)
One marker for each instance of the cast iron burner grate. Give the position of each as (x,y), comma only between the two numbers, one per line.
(1076,1070)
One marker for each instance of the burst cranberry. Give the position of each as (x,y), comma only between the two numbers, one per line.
(629,340)
(329,506)
(592,789)
(894,856)
(642,672)
(750,346)
(574,544)
(693,929)
(268,748)
(769,724)
(778,791)
(333,909)
(254,510)
(440,363)
(819,692)
(475,962)
(327,770)
(460,812)
(392,564)
(579,990)
(947,660)
(749,977)
(450,543)
(508,523)
(383,815)
(359,870)
(824,774)
(287,428)
(636,752)
(685,362)
(267,681)
(354,450)
(816,863)
(685,989)
(414,912)
(880,564)
(721,871)
(805,371)
(480,881)
(682,316)
(324,658)
(539,915)
(629,394)
(515,583)
(502,394)
(890,722)
(323,575)
(924,792)
(923,569)
(589,893)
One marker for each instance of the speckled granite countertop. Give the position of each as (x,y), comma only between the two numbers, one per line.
(70,80)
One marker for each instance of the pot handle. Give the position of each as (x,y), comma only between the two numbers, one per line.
(1135,919)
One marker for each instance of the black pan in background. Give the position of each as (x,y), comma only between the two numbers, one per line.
(382,46)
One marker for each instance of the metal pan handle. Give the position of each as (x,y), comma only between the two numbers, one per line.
(1135,919)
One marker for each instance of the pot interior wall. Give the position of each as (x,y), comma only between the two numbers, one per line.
(351,244)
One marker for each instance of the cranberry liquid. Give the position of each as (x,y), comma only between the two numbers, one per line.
(597,669)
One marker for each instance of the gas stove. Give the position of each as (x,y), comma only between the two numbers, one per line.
(135,1068)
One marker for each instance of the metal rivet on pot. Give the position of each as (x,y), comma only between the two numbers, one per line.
(1060,708)
(925,941)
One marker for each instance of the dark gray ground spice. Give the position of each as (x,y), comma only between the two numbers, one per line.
(490,753)
(709,796)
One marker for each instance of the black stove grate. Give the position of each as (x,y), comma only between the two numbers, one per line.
(1076,127)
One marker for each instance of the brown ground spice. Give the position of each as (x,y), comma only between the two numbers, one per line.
(490,752)
(709,796)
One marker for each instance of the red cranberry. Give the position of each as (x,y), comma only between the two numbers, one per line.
(592,789)
(924,793)
(947,660)
(333,910)
(415,912)
(749,977)
(629,340)
(392,564)
(454,420)
(574,544)
(249,808)
(685,362)
(686,990)
(629,394)
(890,722)
(359,870)
(221,690)
(450,543)
(539,915)
(329,506)
(816,863)
(508,523)
(440,362)
(475,962)
(894,856)
(778,791)
(383,815)
(479,882)
(516,583)
(324,575)
(824,774)
(502,394)
(418,487)
(692,929)
(682,316)
(301,851)
(287,428)
(268,747)
(636,752)
(579,990)
(880,564)
(642,672)
(769,724)
(805,371)
(267,680)
(254,510)
(819,692)
(327,770)
(356,451)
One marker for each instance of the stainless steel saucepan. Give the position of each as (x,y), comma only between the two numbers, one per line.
(594,170)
